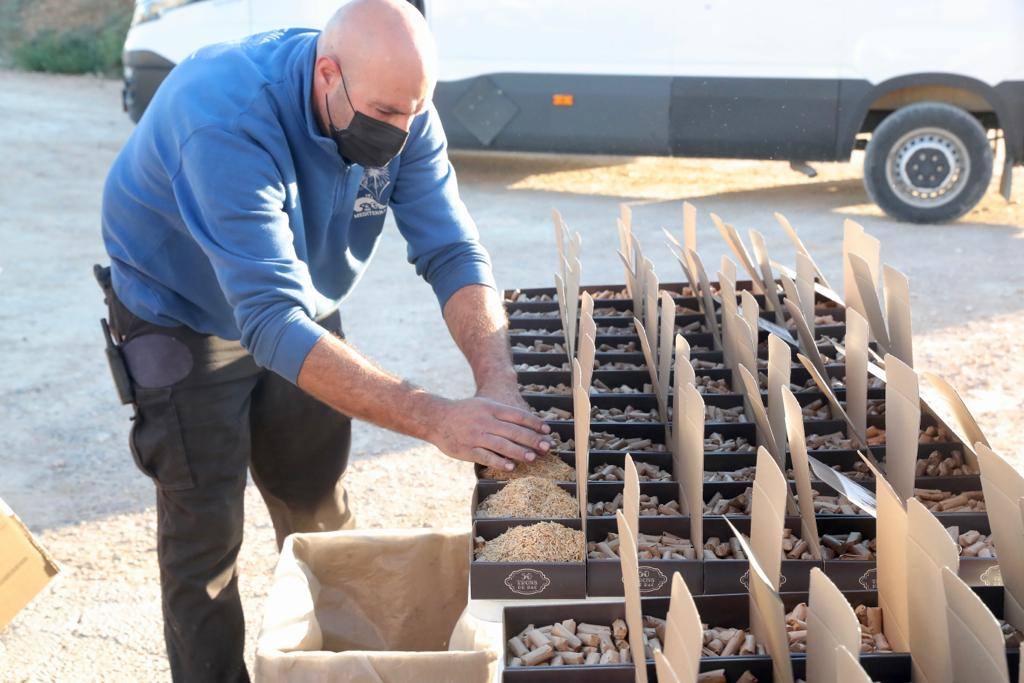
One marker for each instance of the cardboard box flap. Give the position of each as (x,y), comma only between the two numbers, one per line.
(765,436)
(25,566)
(857,494)
(859,439)
(856,242)
(631,496)
(751,314)
(764,264)
(690,226)
(631,589)
(799,245)
(688,455)
(848,668)
(652,369)
(730,311)
(581,437)
(806,338)
(805,288)
(902,425)
(779,365)
(631,280)
(1003,486)
(744,355)
(572,296)
(768,514)
(684,372)
(728,269)
(897,314)
(856,357)
(870,307)
(831,625)
(666,339)
(684,633)
(802,471)
(708,305)
(732,238)
(767,615)
(930,550)
(964,424)
(891,531)
(652,285)
(663,669)
(980,651)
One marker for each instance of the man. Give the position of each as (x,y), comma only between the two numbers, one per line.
(239,214)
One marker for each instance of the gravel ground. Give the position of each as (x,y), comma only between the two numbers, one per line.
(63,454)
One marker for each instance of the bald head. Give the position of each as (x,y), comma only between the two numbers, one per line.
(380,52)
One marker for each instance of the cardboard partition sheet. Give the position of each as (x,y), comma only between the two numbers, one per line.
(831,625)
(768,514)
(666,338)
(897,314)
(1003,486)
(869,307)
(764,264)
(729,269)
(560,231)
(848,668)
(631,588)
(837,408)
(586,352)
(689,226)
(745,355)
(581,435)
(765,436)
(684,633)
(631,281)
(688,455)
(802,471)
(730,311)
(779,364)
(856,348)
(25,567)
(708,304)
(891,531)
(929,551)
(651,287)
(979,651)
(902,424)
(969,431)
(799,245)
(805,287)
(767,615)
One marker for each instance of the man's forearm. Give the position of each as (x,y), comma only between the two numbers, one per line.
(337,374)
(478,325)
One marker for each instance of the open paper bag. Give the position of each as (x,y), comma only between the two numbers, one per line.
(369,606)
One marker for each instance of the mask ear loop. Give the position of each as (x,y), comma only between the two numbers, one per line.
(327,101)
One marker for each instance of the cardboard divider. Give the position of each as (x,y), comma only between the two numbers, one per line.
(902,420)
(801,470)
(764,266)
(523,580)
(897,314)
(779,367)
(856,242)
(1003,485)
(630,582)
(688,430)
(799,245)
(684,632)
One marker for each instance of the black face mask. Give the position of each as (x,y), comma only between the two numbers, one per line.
(366,141)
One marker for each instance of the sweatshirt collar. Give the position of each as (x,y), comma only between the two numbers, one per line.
(303,74)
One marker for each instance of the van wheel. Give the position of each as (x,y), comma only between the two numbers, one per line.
(928,163)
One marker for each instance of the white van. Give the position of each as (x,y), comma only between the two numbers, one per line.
(928,87)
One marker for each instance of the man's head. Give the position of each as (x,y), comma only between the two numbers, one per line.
(375,58)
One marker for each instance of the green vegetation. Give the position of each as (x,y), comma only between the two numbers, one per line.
(89,48)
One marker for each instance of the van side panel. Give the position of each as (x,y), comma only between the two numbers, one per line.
(595,114)
(754,118)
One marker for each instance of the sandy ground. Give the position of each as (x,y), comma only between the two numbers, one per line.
(64,461)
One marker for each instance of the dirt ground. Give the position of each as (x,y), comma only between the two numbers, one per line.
(64,461)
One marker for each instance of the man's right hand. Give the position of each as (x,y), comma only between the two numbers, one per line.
(490,433)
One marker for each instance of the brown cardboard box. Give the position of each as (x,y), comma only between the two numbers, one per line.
(25,567)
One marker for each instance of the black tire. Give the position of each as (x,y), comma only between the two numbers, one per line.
(926,136)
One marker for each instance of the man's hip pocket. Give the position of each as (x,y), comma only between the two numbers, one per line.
(156,440)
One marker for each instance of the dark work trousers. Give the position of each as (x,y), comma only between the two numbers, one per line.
(205,413)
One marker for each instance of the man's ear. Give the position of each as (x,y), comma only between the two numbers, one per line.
(326,71)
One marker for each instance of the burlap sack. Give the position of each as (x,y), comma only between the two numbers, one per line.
(369,606)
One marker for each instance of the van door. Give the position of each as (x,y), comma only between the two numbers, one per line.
(758,79)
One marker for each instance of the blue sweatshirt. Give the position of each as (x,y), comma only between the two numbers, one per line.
(228,211)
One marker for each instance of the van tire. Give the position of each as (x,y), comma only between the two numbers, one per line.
(942,147)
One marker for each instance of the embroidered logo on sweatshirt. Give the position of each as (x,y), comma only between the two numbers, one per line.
(370,199)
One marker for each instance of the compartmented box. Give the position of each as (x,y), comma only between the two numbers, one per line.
(604,577)
(524,580)
(732,576)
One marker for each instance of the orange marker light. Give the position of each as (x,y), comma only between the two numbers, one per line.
(561,99)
